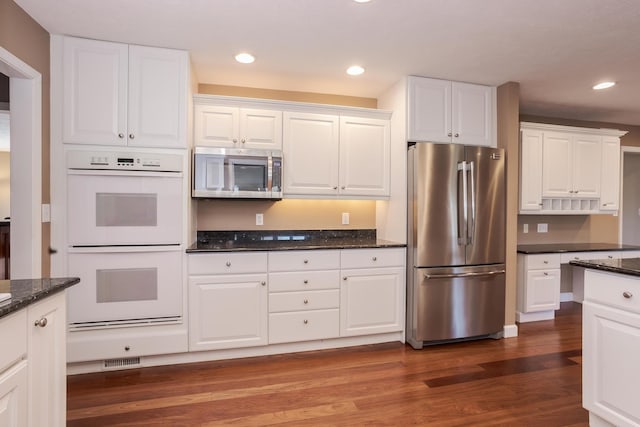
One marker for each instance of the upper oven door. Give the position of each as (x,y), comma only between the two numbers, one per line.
(124,207)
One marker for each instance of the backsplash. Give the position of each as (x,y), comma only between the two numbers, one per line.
(569,229)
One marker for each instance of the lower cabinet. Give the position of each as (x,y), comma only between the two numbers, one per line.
(611,344)
(33,380)
(538,287)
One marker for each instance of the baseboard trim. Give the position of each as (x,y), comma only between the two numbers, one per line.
(510,331)
(536,316)
(566,296)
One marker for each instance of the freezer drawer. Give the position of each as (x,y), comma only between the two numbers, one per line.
(455,303)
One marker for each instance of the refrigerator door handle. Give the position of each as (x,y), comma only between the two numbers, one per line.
(472,228)
(455,275)
(462,225)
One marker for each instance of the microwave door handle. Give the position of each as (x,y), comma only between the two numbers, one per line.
(462,197)
(269,173)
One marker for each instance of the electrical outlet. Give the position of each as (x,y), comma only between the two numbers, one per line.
(46,212)
(543,228)
(259,219)
(345,218)
(525,228)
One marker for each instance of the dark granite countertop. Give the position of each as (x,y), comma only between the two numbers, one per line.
(27,291)
(628,266)
(550,248)
(283,240)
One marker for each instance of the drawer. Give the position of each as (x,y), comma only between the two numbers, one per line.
(543,261)
(368,258)
(610,289)
(304,281)
(581,256)
(304,326)
(228,263)
(306,300)
(304,260)
(13,335)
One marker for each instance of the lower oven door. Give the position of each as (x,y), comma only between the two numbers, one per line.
(124,207)
(125,285)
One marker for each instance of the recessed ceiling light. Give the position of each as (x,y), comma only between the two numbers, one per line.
(604,85)
(355,70)
(245,58)
(362,1)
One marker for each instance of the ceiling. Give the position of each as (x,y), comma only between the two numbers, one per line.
(555,49)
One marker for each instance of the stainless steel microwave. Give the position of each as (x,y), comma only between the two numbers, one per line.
(237,173)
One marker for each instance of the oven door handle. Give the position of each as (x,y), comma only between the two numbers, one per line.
(98,172)
(124,249)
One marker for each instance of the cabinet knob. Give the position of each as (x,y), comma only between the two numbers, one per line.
(121,135)
(343,187)
(335,188)
(305,281)
(576,258)
(546,262)
(235,140)
(306,301)
(605,204)
(243,141)
(609,256)
(305,321)
(42,322)
(627,294)
(228,263)
(539,204)
(263,283)
(546,274)
(127,348)
(131,136)
(449,134)
(344,278)
(456,135)
(306,261)
(375,258)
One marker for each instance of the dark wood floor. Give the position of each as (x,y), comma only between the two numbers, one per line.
(531,380)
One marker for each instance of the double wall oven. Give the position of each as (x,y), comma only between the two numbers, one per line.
(124,233)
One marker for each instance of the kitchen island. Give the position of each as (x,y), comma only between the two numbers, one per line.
(611,341)
(33,352)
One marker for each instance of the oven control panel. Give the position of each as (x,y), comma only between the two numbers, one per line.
(107,160)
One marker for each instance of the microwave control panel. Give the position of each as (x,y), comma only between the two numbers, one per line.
(107,160)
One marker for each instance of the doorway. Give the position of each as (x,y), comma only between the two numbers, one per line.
(25,88)
(630,197)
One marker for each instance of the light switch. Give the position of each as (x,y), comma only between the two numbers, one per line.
(46,212)
(543,228)
(345,218)
(525,228)
(259,219)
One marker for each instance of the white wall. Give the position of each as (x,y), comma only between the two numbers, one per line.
(631,199)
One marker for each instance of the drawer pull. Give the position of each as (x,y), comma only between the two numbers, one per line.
(127,348)
(305,321)
(576,258)
(42,322)
(627,294)
(228,263)
(546,262)
(305,281)
(306,261)
(546,274)
(306,301)
(344,278)
(263,283)
(374,258)
(610,257)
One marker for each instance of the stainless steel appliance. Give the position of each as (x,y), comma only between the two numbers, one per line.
(125,221)
(237,173)
(456,238)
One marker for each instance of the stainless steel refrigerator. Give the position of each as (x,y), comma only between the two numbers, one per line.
(456,243)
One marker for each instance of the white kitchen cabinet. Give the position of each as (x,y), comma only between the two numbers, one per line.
(14,370)
(124,95)
(610,174)
(445,111)
(228,298)
(372,291)
(538,287)
(304,296)
(47,361)
(336,155)
(530,171)
(611,344)
(576,170)
(234,127)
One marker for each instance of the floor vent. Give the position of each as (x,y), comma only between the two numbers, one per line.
(121,363)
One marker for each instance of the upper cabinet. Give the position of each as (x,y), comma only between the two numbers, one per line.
(234,127)
(568,170)
(124,95)
(445,111)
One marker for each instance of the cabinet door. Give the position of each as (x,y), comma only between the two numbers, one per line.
(216,126)
(365,148)
(13,396)
(556,165)
(311,154)
(587,155)
(429,110)
(261,129)
(542,290)
(611,344)
(227,311)
(94,92)
(610,174)
(371,301)
(157,97)
(530,170)
(47,362)
(472,114)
